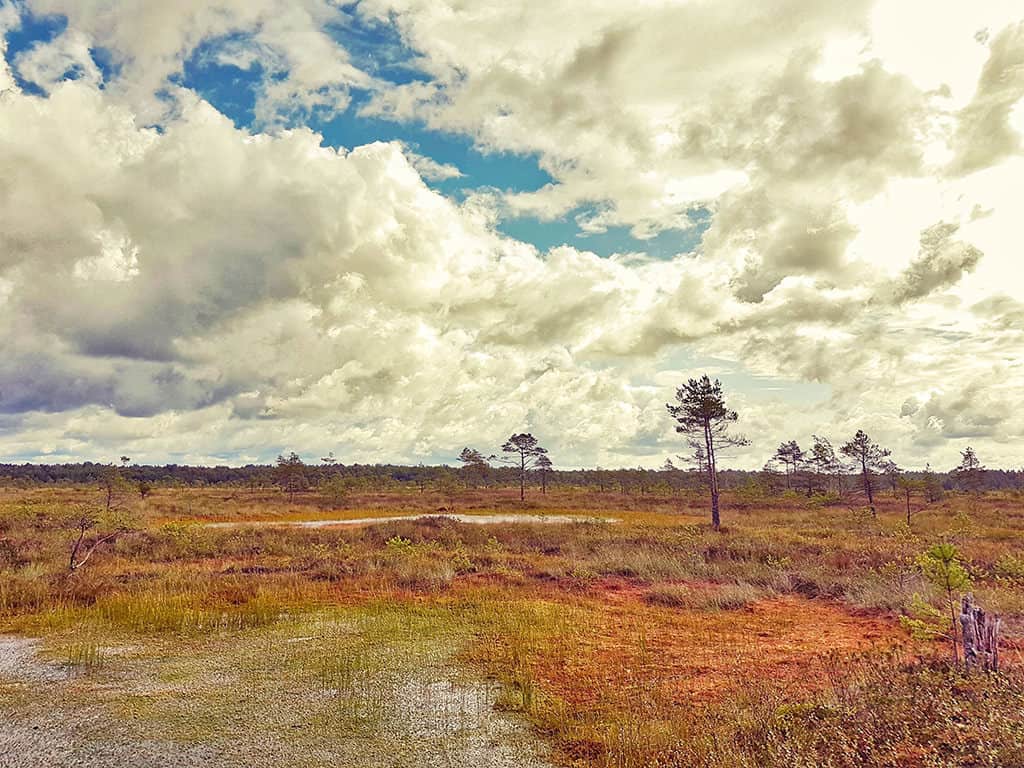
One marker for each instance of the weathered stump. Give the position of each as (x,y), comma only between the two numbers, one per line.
(980,636)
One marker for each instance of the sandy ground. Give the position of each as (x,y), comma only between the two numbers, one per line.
(431,719)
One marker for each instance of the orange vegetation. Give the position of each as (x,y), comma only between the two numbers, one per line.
(627,648)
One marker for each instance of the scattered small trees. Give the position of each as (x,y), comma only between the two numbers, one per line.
(543,467)
(448,485)
(527,451)
(336,488)
(909,487)
(941,566)
(696,464)
(770,477)
(699,458)
(317,476)
(932,485)
(106,521)
(474,465)
(702,415)
(114,488)
(893,474)
(969,474)
(290,474)
(791,457)
(680,478)
(825,462)
(868,457)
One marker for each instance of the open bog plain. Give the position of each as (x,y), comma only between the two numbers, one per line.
(581,627)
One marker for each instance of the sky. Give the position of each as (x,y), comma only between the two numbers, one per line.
(393,228)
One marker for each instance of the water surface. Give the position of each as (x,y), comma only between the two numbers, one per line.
(459,518)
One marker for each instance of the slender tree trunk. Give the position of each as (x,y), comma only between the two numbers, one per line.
(867,485)
(712,477)
(75,548)
(953,625)
(522,477)
(715,518)
(908,507)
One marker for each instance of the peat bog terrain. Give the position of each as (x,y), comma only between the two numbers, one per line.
(233,627)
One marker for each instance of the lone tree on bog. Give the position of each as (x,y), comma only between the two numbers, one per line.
(701,415)
(868,457)
(526,454)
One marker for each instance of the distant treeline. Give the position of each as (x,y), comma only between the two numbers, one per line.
(392,476)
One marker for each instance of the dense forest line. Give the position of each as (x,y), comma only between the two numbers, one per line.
(395,476)
(702,418)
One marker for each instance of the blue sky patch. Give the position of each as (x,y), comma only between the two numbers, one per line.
(105,63)
(565,231)
(32,31)
(230,89)
(378,49)
(504,171)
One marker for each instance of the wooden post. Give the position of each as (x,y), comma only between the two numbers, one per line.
(980,636)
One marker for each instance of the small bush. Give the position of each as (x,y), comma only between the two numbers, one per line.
(423,574)
(1010,566)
